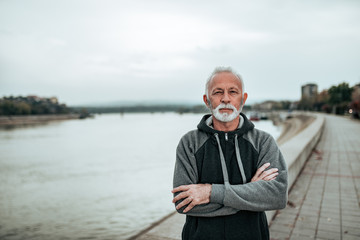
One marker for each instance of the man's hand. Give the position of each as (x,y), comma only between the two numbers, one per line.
(267,175)
(193,194)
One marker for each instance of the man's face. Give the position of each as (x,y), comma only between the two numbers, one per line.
(225,88)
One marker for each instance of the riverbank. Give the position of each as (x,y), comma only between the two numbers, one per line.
(11,121)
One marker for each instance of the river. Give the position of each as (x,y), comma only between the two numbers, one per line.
(102,178)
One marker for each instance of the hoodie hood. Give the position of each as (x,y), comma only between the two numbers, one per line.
(247,126)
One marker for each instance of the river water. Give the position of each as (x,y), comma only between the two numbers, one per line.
(103,178)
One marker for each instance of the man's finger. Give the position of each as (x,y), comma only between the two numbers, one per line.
(271,176)
(268,172)
(186,201)
(180,188)
(260,171)
(189,207)
(180,196)
(262,168)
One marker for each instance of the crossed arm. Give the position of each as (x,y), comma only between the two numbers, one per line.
(197,194)
(267,189)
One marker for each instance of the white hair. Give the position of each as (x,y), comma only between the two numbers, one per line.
(221,70)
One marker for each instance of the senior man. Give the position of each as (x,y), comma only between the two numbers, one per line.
(220,179)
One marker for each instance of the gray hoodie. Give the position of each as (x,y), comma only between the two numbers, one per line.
(228,161)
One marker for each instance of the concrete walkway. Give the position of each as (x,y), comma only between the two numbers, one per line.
(324,201)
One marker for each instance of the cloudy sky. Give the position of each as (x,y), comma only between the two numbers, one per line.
(87,51)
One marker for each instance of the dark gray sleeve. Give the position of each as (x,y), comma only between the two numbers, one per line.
(186,173)
(261,195)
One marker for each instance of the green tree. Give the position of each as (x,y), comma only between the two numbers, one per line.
(31,105)
(23,108)
(340,97)
(322,102)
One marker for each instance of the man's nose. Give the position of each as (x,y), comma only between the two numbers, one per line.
(225,99)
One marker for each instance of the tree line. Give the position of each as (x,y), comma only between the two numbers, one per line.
(338,99)
(31,105)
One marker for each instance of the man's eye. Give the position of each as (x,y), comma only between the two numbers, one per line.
(217,92)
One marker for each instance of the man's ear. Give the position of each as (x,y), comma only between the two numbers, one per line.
(205,99)
(244,98)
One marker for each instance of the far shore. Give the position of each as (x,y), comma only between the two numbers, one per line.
(15,120)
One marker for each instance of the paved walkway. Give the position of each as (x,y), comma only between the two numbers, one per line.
(324,201)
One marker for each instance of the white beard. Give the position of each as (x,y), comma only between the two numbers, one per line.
(226,117)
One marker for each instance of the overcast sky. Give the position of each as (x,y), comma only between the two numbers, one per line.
(104,51)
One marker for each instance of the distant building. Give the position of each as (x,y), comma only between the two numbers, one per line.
(54,100)
(267,105)
(309,91)
(34,98)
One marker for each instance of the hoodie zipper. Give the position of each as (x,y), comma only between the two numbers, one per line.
(223,161)
(226,136)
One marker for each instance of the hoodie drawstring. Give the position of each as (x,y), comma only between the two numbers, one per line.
(223,164)
(238,158)
(222,159)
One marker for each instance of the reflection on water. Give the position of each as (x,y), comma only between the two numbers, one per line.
(102,178)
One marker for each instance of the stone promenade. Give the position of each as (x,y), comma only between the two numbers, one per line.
(324,201)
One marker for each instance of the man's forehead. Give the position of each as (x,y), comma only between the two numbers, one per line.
(225,79)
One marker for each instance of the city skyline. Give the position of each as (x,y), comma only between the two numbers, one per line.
(84,52)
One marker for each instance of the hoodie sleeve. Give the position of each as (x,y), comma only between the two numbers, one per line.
(261,195)
(186,173)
